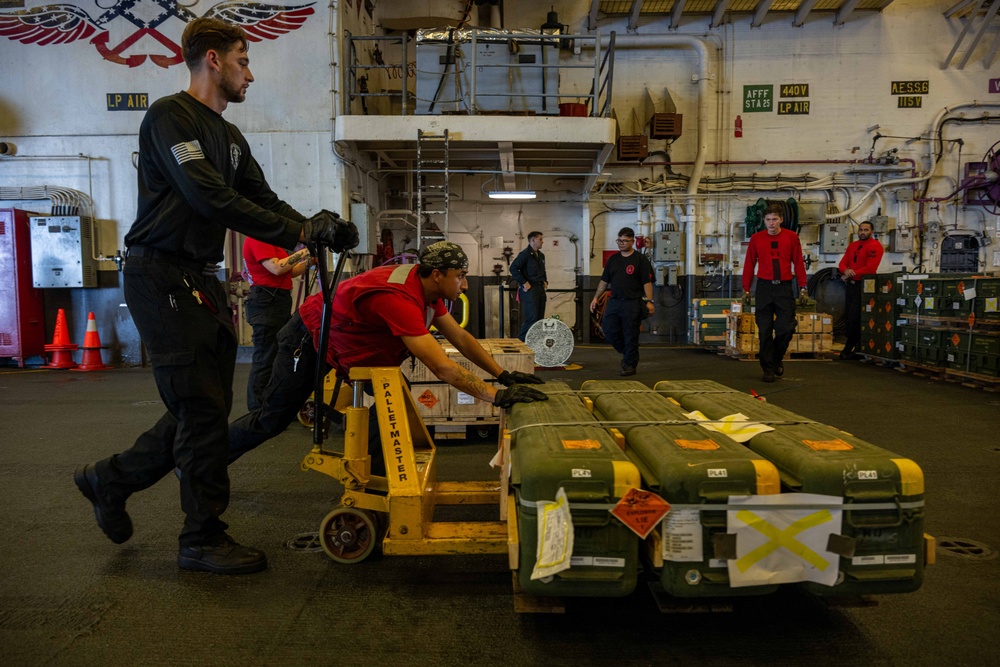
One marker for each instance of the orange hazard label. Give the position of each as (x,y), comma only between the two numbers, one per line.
(920,288)
(888,326)
(955,340)
(871,323)
(961,286)
(705,445)
(888,306)
(641,511)
(972,319)
(827,445)
(428,399)
(581,444)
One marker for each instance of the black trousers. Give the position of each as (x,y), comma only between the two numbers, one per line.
(268,309)
(852,311)
(532,307)
(621,324)
(287,390)
(775,318)
(193,353)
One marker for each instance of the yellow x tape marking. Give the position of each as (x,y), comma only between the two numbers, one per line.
(783,538)
(735,426)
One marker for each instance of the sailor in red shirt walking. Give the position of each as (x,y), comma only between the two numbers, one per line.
(775,253)
(860,261)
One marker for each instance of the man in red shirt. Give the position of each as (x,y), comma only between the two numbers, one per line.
(775,253)
(268,305)
(379,318)
(860,260)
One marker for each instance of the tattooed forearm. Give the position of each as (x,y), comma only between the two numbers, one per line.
(470,384)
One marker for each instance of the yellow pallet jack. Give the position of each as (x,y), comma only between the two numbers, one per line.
(396,510)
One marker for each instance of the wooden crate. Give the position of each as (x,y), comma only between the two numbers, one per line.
(433,400)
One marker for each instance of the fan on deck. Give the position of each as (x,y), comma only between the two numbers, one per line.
(992,173)
(551,341)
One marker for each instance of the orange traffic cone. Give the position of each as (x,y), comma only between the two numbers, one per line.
(91,360)
(61,348)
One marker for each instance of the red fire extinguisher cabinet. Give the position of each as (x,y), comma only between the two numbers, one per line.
(22,317)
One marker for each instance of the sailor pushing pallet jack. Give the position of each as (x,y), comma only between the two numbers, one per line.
(368,325)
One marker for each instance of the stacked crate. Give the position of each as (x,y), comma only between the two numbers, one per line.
(813,335)
(708,321)
(880,315)
(440,402)
(950,322)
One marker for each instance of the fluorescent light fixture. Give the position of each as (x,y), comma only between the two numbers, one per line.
(503,194)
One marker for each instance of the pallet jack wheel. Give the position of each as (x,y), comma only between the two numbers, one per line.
(348,534)
(307,413)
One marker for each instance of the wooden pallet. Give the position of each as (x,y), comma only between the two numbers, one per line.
(973,380)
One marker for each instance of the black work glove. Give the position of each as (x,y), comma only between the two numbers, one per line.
(746,298)
(508,378)
(519,393)
(329,229)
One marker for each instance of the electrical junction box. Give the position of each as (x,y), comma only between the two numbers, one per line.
(62,252)
(833,237)
(364,218)
(668,247)
(900,240)
(812,212)
(880,223)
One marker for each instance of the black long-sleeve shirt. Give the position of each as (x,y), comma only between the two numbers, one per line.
(529,267)
(197,178)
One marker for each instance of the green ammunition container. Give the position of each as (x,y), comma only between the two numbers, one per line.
(691,468)
(559,444)
(883,493)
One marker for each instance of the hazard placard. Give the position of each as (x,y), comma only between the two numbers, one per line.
(641,511)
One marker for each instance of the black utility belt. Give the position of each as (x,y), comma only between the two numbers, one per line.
(778,282)
(164,256)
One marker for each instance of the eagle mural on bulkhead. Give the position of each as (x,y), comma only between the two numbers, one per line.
(133,23)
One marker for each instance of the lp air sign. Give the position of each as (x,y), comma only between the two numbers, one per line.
(758,98)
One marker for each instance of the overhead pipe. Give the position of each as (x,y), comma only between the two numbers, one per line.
(700,47)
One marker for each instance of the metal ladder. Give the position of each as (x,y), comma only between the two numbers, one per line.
(433,194)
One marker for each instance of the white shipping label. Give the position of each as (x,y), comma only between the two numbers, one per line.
(555,537)
(465,399)
(718,472)
(868,474)
(867,560)
(893,559)
(580,472)
(682,536)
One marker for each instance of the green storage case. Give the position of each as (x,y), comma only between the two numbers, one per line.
(691,468)
(558,444)
(886,529)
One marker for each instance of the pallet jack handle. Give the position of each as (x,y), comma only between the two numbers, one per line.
(328,288)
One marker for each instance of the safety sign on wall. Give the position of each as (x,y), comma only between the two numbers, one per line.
(758,98)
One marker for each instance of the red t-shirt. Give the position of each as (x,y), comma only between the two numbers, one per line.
(254,254)
(370,313)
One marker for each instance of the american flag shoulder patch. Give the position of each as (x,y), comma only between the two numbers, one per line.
(186,151)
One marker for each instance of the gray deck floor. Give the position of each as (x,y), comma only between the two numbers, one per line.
(68,596)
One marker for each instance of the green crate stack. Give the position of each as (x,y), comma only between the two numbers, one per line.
(987,301)
(973,352)
(708,325)
(879,329)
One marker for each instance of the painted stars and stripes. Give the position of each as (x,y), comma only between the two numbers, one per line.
(187,151)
